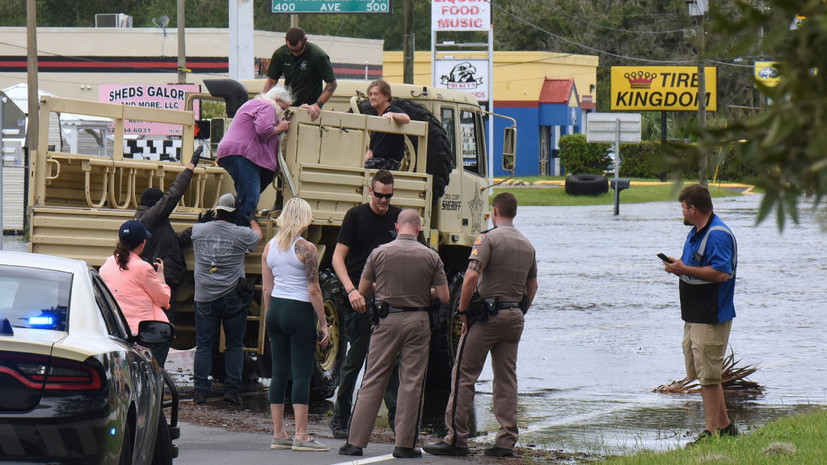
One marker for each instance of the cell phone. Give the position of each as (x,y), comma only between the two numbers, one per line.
(663,257)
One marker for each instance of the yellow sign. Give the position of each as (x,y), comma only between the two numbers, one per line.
(767,73)
(662,88)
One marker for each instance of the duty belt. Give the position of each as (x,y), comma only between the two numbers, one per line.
(395,309)
(507,305)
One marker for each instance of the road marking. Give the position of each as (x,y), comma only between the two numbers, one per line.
(378,458)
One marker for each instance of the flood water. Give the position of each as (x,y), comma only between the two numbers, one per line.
(605,328)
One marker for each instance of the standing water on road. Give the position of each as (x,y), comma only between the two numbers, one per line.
(605,328)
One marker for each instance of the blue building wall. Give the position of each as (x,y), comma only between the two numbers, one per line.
(529,120)
(528,139)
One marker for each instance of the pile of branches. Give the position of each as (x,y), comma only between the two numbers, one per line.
(733,378)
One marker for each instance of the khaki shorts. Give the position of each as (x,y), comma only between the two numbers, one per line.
(704,346)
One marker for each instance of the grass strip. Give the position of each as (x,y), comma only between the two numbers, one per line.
(556,196)
(798,439)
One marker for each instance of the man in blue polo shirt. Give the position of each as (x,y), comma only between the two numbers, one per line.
(707,284)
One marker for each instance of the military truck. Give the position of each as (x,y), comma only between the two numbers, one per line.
(78,201)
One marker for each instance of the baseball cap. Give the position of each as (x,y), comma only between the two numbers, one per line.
(133,233)
(227,203)
(151,196)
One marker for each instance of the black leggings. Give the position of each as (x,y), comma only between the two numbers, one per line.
(291,326)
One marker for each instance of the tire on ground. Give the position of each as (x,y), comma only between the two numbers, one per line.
(329,361)
(586,184)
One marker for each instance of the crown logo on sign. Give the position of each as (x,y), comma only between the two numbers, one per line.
(640,79)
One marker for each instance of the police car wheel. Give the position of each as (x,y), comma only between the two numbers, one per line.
(128,442)
(586,184)
(163,443)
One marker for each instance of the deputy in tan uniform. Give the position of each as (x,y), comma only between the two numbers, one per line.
(407,276)
(502,268)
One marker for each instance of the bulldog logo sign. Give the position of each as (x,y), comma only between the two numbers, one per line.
(462,76)
(466,75)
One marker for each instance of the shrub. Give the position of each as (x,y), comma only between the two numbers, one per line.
(580,157)
(643,160)
(647,160)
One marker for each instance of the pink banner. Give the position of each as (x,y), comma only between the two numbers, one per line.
(168,97)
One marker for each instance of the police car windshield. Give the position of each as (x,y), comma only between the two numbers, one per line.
(34,297)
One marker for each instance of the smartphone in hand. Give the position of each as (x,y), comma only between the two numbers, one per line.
(663,257)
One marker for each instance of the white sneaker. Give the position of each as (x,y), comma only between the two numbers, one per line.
(310,446)
(279,443)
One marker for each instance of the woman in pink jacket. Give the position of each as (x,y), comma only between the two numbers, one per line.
(140,290)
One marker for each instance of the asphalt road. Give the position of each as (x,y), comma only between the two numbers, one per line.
(199,445)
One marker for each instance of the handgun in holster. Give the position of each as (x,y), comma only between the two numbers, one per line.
(478,310)
(524,303)
(372,310)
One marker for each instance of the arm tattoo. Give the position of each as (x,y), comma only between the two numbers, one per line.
(330,87)
(475,265)
(309,256)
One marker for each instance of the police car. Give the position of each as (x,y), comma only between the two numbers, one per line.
(75,385)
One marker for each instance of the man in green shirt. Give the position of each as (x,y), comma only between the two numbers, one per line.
(304,66)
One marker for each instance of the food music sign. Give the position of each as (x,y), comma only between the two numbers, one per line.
(460,15)
(661,88)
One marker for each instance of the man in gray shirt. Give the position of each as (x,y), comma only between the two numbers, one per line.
(219,248)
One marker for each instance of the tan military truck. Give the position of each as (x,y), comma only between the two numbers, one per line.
(77,201)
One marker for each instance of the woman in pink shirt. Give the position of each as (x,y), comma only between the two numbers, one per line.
(249,149)
(140,290)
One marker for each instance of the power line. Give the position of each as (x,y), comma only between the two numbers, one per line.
(625,31)
(592,49)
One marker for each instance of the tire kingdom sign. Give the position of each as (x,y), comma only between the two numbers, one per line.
(331,6)
(661,88)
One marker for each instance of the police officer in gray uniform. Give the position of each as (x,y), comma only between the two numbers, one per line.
(503,269)
(407,276)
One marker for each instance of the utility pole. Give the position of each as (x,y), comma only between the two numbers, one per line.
(703,168)
(31,47)
(182,53)
(408,44)
(699,8)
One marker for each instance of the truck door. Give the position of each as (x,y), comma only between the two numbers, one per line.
(462,208)
(474,169)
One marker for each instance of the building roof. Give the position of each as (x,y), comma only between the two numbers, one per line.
(557,91)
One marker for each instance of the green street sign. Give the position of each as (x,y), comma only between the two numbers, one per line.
(331,6)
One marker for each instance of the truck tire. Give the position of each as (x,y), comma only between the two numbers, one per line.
(329,360)
(587,184)
(446,329)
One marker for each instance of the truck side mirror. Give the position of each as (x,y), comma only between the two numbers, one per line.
(509,149)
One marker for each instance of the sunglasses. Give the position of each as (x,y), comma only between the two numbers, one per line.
(383,196)
(298,48)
